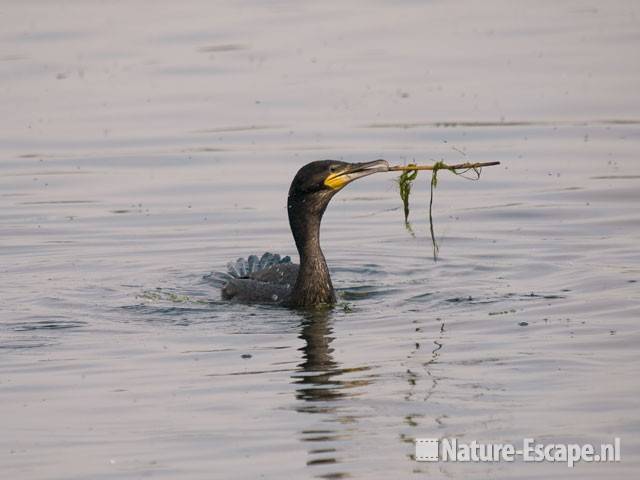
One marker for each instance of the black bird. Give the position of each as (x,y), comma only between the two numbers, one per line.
(272,279)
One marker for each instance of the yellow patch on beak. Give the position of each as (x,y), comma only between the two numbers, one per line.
(337,180)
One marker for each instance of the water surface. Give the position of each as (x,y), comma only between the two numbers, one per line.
(146,145)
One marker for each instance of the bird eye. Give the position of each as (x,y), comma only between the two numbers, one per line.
(333,168)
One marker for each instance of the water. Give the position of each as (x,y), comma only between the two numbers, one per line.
(145,145)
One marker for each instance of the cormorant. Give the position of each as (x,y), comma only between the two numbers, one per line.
(272,279)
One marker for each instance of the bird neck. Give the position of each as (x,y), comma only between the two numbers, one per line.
(313,284)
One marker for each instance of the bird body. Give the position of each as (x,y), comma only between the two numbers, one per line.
(272,279)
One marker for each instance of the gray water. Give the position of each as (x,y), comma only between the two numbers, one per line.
(146,144)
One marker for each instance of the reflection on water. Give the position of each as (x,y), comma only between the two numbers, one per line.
(320,391)
(316,374)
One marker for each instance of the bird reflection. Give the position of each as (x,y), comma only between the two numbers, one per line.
(321,391)
(316,374)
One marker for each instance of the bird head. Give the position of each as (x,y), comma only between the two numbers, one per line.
(324,178)
(314,186)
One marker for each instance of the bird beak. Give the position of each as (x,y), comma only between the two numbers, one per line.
(354,171)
